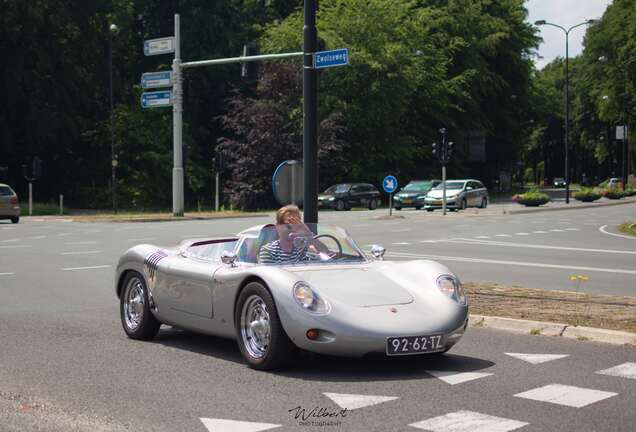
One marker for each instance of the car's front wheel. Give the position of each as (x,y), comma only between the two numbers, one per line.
(340,205)
(484,203)
(260,334)
(15,219)
(373,204)
(463,205)
(136,317)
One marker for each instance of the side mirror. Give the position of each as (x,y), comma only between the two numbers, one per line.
(229,258)
(378,252)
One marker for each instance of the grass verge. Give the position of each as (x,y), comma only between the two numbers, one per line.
(628,228)
(40,209)
(577,309)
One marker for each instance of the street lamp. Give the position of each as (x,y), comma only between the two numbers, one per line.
(112,30)
(567,95)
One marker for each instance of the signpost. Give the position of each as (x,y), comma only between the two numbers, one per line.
(443,153)
(334,58)
(152,80)
(156,99)
(390,185)
(165,45)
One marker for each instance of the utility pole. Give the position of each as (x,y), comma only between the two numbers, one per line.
(113,160)
(177,122)
(310,110)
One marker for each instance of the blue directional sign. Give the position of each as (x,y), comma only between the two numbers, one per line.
(156,79)
(390,184)
(327,59)
(156,99)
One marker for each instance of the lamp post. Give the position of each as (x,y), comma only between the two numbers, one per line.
(113,29)
(567,96)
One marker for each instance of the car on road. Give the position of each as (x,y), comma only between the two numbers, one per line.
(9,205)
(460,194)
(559,182)
(344,196)
(331,298)
(413,194)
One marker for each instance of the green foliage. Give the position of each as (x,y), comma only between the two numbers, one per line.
(587,195)
(532,198)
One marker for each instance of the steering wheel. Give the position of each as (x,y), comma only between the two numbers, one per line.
(316,237)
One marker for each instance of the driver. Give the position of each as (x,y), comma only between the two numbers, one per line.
(292,243)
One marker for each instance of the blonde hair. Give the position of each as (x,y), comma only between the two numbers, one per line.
(284,211)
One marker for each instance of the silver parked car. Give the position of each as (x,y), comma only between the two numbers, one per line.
(460,194)
(9,206)
(322,294)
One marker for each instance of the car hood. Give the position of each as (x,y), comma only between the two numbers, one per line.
(357,286)
(437,193)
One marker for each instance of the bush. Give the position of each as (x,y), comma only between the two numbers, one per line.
(613,193)
(587,195)
(532,198)
(629,191)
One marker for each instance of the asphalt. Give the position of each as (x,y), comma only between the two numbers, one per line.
(66,364)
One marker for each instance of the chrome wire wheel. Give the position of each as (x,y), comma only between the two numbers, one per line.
(134,303)
(255,326)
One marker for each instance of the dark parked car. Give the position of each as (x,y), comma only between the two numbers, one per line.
(413,194)
(9,207)
(346,195)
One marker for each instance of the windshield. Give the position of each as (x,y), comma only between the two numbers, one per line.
(419,186)
(300,244)
(341,188)
(451,185)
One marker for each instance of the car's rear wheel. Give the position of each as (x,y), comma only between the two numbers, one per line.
(418,207)
(463,205)
(340,205)
(429,209)
(260,334)
(398,208)
(15,219)
(373,204)
(136,317)
(484,203)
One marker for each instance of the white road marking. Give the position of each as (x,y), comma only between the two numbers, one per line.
(400,230)
(522,233)
(38,237)
(80,243)
(536,358)
(625,370)
(468,421)
(355,401)
(482,237)
(503,235)
(81,252)
(560,394)
(557,230)
(64,234)
(572,229)
(10,240)
(401,244)
(6,274)
(455,377)
(539,232)
(8,228)
(602,229)
(537,246)
(517,263)
(142,239)
(222,425)
(86,268)
(15,246)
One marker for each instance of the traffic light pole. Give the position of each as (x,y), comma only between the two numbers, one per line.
(310,120)
(444,189)
(443,153)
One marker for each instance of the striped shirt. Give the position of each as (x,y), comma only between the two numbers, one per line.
(273,253)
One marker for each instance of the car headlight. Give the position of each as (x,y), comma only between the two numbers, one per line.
(310,300)
(421,197)
(452,287)
(331,198)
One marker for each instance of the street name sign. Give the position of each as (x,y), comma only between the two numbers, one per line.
(156,99)
(390,184)
(159,46)
(156,79)
(334,58)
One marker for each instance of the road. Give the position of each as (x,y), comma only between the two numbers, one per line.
(66,364)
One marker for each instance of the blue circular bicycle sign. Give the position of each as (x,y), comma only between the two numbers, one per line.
(390,184)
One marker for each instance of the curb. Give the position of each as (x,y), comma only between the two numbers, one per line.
(576,207)
(542,328)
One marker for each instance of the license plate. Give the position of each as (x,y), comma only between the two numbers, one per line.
(404,345)
(408,201)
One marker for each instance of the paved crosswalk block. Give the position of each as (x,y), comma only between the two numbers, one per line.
(537,358)
(625,370)
(355,401)
(224,425)
(559,394)
(468,421)
(455,377)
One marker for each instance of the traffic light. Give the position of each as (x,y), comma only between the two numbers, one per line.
(249,70)
(37,167)
(434,148)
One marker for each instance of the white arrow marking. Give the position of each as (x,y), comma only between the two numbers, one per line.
(355,401)
(222,425)
(454,377)
(537,358)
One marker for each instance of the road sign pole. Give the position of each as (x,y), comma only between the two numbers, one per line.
(444,189)
(390,204)
(310,108)
(30,199)
(216,192)
(177,124)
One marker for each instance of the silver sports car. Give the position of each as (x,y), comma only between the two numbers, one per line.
(279,288)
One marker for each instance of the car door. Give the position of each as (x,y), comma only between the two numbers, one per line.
(355,196)
(471,194)
(6,194)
